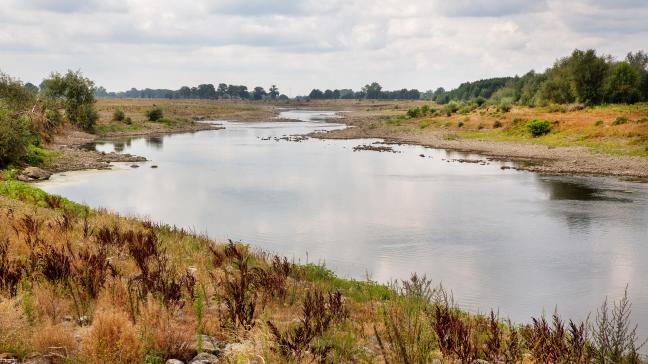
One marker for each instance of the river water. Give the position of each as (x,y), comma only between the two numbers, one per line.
(516,241)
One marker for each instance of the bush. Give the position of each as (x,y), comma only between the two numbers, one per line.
(118,115)
(620,120)
(425,109)
(497,124)
(414,112)
(154,114)
(504,106)
(451,108)
(539,128)
(112,338)
(599,123)
(460,124)
(128,120)
(14,137)
(76,94)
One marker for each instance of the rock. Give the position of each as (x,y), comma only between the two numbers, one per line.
(204,358)
(154,166)
(210,344)
(36,173)
(23,178)
(134,166)
(174,361)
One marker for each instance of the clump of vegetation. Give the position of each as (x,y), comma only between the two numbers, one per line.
(539,128)
(620,120)
(75,94)
(497,124)
(118,115)
(460,124)
(155,113)
(599,123)
(504,106)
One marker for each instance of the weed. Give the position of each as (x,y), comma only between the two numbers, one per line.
(620,120)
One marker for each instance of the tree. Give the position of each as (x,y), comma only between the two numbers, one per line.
(372,91)
(14,137)
(206,91)
(258,93)
(316,94)
(622,86)
(588,75)
(222,90)
(273,92)
(76,94)
(14,94)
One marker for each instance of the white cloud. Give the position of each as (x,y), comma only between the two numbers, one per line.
(301,44)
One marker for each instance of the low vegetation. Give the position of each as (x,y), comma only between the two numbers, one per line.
(86,285)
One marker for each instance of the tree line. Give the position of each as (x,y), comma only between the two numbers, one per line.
(370,91)
(205,91)
(583,77)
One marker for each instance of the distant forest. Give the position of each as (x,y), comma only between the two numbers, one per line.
(582,77)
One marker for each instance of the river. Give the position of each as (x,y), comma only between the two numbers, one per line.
(516,241)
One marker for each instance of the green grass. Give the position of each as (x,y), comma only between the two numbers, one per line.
(361,291)
(37,156)
(35,196)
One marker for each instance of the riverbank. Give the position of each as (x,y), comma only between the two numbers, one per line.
(157,292)
(611,141)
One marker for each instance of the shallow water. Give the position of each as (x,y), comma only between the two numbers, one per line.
(514,241)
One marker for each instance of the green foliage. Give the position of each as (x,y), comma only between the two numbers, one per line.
(588,73)
(414,112)
(622,86)
(451,108)
(599,123)
(154,114)
(118,115)
(539,127)
(504,106)
(36,156)
(620,120)
(75,93)
(14,94)
(424,124)
(37,197)
(14,137)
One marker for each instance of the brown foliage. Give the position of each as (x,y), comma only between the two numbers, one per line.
(111,338)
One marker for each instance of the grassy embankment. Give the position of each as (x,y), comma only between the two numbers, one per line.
(177,114)
(608,129)
(89,286)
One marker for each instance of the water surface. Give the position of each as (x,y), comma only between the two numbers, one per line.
(514,241)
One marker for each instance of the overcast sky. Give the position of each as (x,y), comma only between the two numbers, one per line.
(301,44)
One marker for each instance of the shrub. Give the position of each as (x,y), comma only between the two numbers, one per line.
(118,115)
(599,123)
(451,108)
(480,126)
(414,112)
(154,114)
(539,127)
(112,338)
(47,338)
(425,109)
(460,124)
(165,334)
(504,106)
(14,137)
(620,120)
(497,124)
(128,120)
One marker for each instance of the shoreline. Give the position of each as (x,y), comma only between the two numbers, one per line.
(534,157)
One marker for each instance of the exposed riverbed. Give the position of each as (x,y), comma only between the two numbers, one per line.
(500,238)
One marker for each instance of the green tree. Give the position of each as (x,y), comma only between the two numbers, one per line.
(75,94)
(622,86)
(273,92)
(14,94)
(372,91)
(14,137)
(588,75)
(258,93)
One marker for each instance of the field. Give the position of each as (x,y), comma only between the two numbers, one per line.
(178,114)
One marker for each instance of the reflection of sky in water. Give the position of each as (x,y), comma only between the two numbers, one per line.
(511,240)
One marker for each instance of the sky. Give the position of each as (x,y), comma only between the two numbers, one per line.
(304,44)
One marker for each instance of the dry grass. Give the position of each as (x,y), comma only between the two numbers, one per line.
(112,338)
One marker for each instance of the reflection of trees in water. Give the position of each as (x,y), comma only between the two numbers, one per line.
(121,145)
(576,216)
(567,190)
(155,142)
